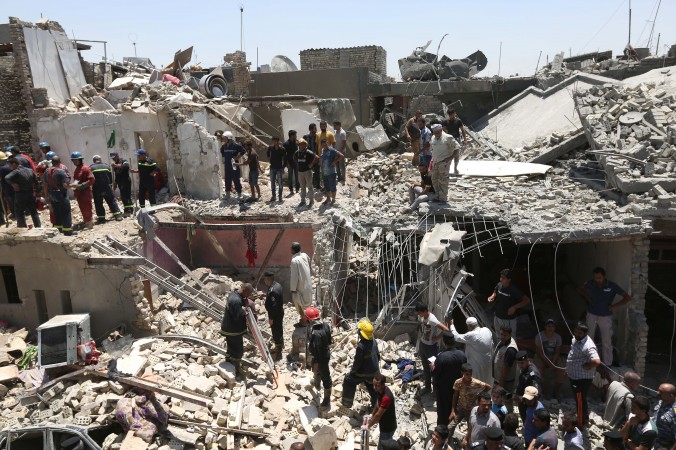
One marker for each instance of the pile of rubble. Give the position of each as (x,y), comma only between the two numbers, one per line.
(634,130)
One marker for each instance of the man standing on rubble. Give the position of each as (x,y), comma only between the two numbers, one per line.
(301,282)
(277,157)
(412,132)
(384,413)
(600,294)
(508,299)
(233,326)
(122,180)
(341,145)
(306,160)
(529,375)
(581,364)
(147,171)
(231,151)
(365,366)
(274,305)
(291,147)
(330,159)
(445,371)
(431,331)
(319,342)
(478,348)
(103,180)
(504,363)
(254,169)
(25,183)
(57,180)
(455,127)
(83,179)
(313,145)
(444,149)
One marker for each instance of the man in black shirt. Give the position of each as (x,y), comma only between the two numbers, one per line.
(455,127)
(24,182)
(306,160)
(57,180)
(254,169)
(123,181)
(277,157)
(291,147)
(508,299)
(274,305)
(313,144)
(445,372)
(384,412)
(231,151)
(233,326)
(529,375)
(420,192)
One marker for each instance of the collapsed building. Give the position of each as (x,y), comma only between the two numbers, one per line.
(557,180)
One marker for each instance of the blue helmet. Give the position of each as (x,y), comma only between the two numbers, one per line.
(12,149)
(50,155)
(141,151)
(44,144)
(76,155)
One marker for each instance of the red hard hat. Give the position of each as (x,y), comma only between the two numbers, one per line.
(312,313)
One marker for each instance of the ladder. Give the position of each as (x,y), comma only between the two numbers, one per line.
(213,308)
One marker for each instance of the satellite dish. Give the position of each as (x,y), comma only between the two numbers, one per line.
(281,63)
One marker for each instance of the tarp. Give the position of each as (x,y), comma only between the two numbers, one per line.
(500,168)
(440,244)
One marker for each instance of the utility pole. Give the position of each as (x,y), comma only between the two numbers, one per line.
(241,28)
(629,41)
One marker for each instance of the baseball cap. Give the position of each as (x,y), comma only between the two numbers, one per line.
(530,393)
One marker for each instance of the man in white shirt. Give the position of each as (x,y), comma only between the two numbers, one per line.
(341,146)
(478,348)
(430,334)
(301,281)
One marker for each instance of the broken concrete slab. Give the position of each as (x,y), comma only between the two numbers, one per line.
(324,439)
(131,364)
(374,137)
(340,109)
(296,119)
(9,373)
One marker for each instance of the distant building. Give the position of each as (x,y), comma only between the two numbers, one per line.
(374,57)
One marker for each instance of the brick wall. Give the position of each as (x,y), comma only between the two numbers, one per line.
(372,56)
(240,73)
(14,125)
(425,103)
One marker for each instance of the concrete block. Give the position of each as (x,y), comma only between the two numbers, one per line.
(297,119)
(227,371)
(307,415)
(201,385)
(374,138)
(324,439)
(132,364)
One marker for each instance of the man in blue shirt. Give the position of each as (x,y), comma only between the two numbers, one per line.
(231,151)
(600,294)
(330,158)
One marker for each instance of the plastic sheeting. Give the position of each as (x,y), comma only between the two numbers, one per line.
(440,244)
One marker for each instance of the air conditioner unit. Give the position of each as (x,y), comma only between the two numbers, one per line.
(59,338)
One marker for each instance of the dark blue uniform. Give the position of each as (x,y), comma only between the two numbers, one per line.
(364,368)
(123,182)
(56,177)
(103,180)
(24,197)
(230,151)
(146,181)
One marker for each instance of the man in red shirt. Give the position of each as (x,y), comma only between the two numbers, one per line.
(83,179)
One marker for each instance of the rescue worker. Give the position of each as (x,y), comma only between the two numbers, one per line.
(318,342)
(365,366)
(122,180)
(45,148)
(147,168)
(494,441)
(231,151)
(57,180)
(44,164)
(83,179)
(529,375)
(40,171)
(24,182)
(23,158)
(233,326)
(103,180)
(274,305)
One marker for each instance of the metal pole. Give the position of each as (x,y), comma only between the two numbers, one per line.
(657,47)
(538,64)
(105,63)
(500,59)
(629,41)
(241,28)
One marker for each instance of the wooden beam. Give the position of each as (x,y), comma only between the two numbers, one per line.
(267,257)
(236,126)
(236,226)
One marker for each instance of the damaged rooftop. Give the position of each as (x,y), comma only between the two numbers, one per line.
(560,172)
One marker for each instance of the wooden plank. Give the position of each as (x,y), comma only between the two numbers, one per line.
(236,126)
(267,257)
(216,428)
(236,226)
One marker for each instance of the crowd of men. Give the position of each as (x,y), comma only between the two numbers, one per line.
(27,186)
(315,162)
(495,387)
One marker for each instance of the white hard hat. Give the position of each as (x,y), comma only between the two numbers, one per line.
(228,134)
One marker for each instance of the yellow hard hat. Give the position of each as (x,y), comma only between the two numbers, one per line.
(365,328)
(3,156)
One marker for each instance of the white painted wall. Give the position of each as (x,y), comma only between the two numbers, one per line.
(200,162)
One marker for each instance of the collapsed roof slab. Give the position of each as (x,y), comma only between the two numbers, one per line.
(535,114)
